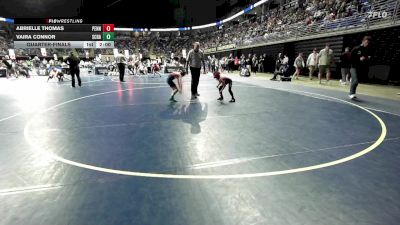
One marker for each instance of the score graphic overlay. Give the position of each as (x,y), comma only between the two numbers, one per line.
(63,33)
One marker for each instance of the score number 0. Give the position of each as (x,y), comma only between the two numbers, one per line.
(108,32)
(108,27)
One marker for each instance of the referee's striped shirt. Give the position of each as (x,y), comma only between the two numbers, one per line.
(120,59)
(195,59)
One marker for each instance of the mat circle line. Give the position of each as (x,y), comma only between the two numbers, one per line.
(370,148)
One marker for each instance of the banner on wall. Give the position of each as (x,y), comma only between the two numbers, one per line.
(209,50)
(225,47)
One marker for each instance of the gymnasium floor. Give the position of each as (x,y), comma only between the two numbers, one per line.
(121,153)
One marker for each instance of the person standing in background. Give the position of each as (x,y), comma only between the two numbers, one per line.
(254,64)
(73,62)
(236,63)
(324,63)
(345,64)
(360,58)
(249,63)
(242,62)
(312,62)
(230,63)
(223,64)
(209,60)
(265,63)
(194,60)
(213,64)
(299,65)
(261,64)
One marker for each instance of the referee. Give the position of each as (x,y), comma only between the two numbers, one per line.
(73,62)
(195,59)
(121,61)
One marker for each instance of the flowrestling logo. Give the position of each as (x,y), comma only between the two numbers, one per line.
(377,14)
(66,21)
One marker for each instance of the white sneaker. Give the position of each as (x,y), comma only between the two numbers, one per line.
(352,96)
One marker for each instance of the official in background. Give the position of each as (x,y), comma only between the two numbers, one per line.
(195,59)
(73,62)
(121,62)
(360,57)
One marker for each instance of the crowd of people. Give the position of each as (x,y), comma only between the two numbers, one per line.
(352,62)
(5,38)
(282,20)
(274,22)
(170,45)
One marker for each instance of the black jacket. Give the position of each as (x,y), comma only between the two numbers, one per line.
(73,62)
(357,53)
(345,60)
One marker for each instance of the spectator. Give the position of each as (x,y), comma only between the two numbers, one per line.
(299,65)
(261,64)
(324,63)
(312,62)
(231,63)
(345,64)
(248,62)
(254,63)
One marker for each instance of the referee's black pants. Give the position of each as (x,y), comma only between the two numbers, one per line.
(75,72)
(121,68)
(195,79)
